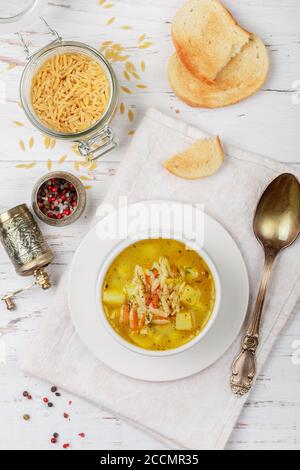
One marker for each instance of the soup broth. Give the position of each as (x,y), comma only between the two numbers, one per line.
(158,294)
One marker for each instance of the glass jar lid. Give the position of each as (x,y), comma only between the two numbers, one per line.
(15,16)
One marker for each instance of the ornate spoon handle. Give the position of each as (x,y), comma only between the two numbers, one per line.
(244,367)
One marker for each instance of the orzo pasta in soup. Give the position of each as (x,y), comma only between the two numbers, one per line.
(158,294)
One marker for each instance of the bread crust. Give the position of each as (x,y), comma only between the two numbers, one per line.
(224,91)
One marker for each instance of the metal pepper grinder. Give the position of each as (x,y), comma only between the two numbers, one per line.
(26,248)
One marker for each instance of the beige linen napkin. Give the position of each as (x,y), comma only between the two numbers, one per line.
(199,412)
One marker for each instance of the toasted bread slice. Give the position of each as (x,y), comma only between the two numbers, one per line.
(201,160)
(207,37)
(242,77)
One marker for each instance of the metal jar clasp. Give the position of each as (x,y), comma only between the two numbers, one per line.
(53,32)
(98,145)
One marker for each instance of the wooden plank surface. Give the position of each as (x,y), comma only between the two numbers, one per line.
(267,124)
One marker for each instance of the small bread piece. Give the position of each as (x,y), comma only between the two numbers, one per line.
(241,78)
(207,37)
(201,160)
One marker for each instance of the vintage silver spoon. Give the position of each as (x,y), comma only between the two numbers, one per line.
(276,226)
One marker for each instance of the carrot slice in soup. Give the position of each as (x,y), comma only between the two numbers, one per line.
(143,321)
(155,300)
(148,300)
(125,314)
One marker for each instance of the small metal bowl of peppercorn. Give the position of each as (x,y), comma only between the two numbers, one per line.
(59,198)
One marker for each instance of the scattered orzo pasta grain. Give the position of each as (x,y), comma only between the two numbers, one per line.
(131,115)
(84,164)
(93,166)
(49,165)
(136,75)
(142,38)
(111,21)
(47,141)
(143,66)
(52,143)
(130,133)
(75,150)
(114,53)
(146,45)
(84,178)
(116,57)
(130,66)
(22,145)
(26,166)
(126,75)
(88,187)
(62,159)
(122,108)
(18,123)
(126,90)
(141,86)
(31,142)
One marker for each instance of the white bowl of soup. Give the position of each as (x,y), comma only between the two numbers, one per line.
(158,296)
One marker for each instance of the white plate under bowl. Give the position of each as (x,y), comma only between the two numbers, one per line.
(83,282)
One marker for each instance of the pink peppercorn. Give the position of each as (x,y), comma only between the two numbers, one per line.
(57,198)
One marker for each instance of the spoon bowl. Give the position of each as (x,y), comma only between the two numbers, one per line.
(277,218)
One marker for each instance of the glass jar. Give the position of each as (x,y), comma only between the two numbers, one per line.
(99,138)
(18,16)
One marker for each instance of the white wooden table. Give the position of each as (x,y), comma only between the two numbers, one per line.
(267,123)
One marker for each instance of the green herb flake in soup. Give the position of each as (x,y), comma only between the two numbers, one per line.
(158,294)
